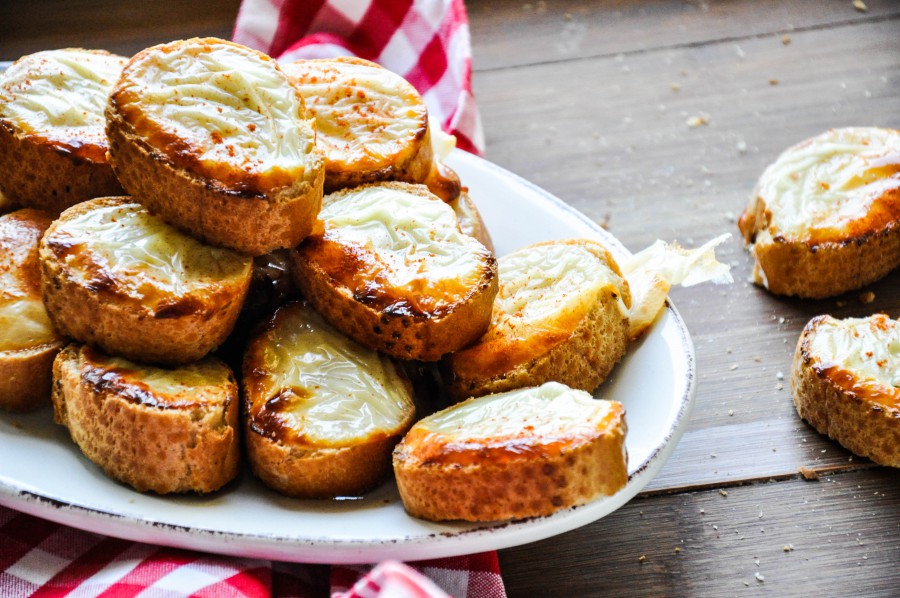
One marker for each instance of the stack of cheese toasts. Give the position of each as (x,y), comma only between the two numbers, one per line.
(179,200)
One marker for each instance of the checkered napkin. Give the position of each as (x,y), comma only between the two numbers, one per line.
(42,559)
(425,41)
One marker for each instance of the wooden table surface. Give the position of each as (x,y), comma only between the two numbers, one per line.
(591,100)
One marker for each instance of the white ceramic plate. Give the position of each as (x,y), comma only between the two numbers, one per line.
(44,474)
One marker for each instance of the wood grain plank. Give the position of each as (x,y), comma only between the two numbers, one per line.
(121,27)
(574,29)
(841,535)
(617,147)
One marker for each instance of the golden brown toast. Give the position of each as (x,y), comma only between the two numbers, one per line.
(213,137)
(825,216)
(322,413)
(846,383)
(561,315)
(117,277)
(28,341)
(52,140)
(164,430)
(524,453)
(392,270)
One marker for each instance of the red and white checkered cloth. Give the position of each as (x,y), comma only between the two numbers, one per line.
(425,41)
(42,559)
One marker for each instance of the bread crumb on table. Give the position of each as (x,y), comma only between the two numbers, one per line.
(860,5)
(808,473)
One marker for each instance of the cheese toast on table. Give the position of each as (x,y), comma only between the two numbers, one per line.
(825,216)
(28,340)
(392,270)
(120,278)
(322,413)
(845,381)
(562,314)
(52,140)
(524,453)
(214,137)
(165,430)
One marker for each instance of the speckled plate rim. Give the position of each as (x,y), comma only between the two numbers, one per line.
(434,540)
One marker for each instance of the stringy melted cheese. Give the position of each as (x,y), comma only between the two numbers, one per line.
(868,347)
(825,183)
(541,284)
(142,254)
(549,412)
(337,392)
(227,110)
(366,116)
(60,96)
(419,252)
(24,323)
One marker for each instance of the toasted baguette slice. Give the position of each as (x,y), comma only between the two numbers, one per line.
(120,278)
(213,136)
(846,383)
(825,217)
(393,271)
(52,140)
(28,341)
(524,453)
(322,413)
(561,315)
(151,428)
(470,221)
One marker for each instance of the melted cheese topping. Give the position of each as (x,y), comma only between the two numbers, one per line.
(823,185)
(162,387)
(222,110)
(144,256)
(420,255)
(547,412)
(324,387)
(541,283)
(24,323)
(366,116)
(60,96)
(868,347)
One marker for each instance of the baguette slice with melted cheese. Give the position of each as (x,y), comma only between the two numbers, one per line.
(165,430)
(846,383)
(561,314)
(117,277)
(28,341)
(322,413)
(52,140)
(371,124)
(213,136)
(392,270)
(825,217)
(525,453)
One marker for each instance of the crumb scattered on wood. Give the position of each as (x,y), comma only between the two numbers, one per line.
(676,86)
(785,39)
(697,120)
(723,492)
(808,473)
(641,559)
(788,547)
(773,81)
(867,297)
(860,5)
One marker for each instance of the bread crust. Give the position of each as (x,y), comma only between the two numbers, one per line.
(470,220)
(38,174)
(578,354)
(105,315)
(251,218)
(152,442)
(25,371)
(288,459)
(837,405)
(400,333)
(477,481)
